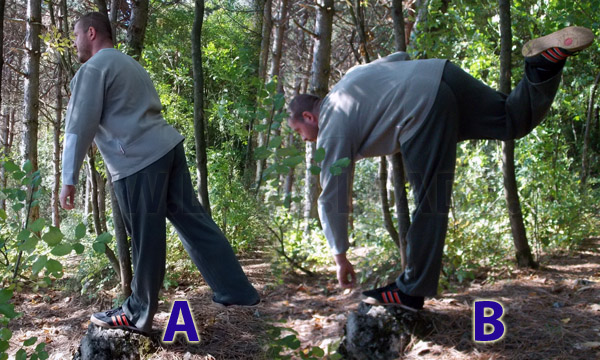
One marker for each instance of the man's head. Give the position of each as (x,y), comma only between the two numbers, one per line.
(304,116)
(92,32)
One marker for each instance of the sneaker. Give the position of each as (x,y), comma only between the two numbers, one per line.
(228,305)
(115,319)
(391,295)
(568,41)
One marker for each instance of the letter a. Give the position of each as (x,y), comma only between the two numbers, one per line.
(188,326)
(482,322)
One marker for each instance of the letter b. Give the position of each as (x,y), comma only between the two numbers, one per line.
(487,321)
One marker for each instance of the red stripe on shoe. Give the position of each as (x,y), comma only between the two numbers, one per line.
(385,300)
(560,53)
(390,297)
(397,298)
(556,54)
(549,58)
(114,321)
(125,320)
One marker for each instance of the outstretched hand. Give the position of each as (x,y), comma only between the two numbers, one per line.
(67,197)
(345,272)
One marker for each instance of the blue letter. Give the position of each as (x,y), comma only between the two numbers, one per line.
(188,326)
(487,321)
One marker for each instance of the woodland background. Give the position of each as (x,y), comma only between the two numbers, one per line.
(224,71)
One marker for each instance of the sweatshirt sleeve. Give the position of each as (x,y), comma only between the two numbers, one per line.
(334,201)
(83,118)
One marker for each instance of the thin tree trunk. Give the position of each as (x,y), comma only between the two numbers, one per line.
(32,84)
(114,10)
(137,28)
(57,149)
(267,26)
(523,252)
(319,86)
(586,137)
(102,8)
(199,122)
(400,194)
(3,117)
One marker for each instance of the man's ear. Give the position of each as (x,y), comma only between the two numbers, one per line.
(92,33)
(309,117)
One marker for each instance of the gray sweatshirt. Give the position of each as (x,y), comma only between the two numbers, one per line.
(371,111)
(114,103)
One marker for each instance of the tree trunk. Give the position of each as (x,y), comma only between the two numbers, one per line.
(400,194)
(524,257)
(57,147)
(267,26)
(137,28)
(199,122)
(3,117)
(588,130)
(114,10)
(101,4)
(319,86)
(32,88)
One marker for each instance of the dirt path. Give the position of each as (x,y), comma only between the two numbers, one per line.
(551,313)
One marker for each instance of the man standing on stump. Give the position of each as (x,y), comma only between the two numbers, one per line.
(114,103)
(422,108)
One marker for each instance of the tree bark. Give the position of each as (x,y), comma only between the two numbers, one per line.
(267,26)
(523,252)
(199,122)
(586,137)
(57,148)
(32,88)
(137,28)
(114,10)
(319,86)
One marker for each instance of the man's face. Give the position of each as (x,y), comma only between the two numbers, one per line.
(308,130)
(82,43)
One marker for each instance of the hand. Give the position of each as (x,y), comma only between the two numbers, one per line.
(67,197)
(345,272)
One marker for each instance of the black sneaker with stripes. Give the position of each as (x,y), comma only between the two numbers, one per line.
(115,319)
(391,295)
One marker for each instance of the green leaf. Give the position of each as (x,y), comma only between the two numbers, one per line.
(8,310)
(54,267)
(104,238)
(10,166)
(78,248)
(275,142)
(278,102)
(5,295)
(343,162)
(30,341)
(3,214)
(5,334)
(37,225)
(23,235)
(29,245)
(39,264)
(17,207)
(3,347)
(18,175)
(271,87)
(315,170)
(293,161)
(21,355)
(28,166)
(80,231)
(261,153)
(317,351)
(319,155)
(287,151)
(53,236)
(99,247)
(61,250)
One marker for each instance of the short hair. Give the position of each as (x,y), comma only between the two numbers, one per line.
(98,21)
(301,103)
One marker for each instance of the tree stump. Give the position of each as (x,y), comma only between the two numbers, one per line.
(109,344)
(382,332)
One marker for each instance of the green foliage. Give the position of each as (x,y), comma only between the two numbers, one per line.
(282,346)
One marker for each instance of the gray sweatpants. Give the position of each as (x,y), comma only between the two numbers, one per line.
(464,108)
(147,198)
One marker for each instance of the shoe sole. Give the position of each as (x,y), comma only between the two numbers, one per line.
(373,301)
(572,39)
(234,306)
(106,325)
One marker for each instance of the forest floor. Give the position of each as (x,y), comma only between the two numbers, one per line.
(550,313)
